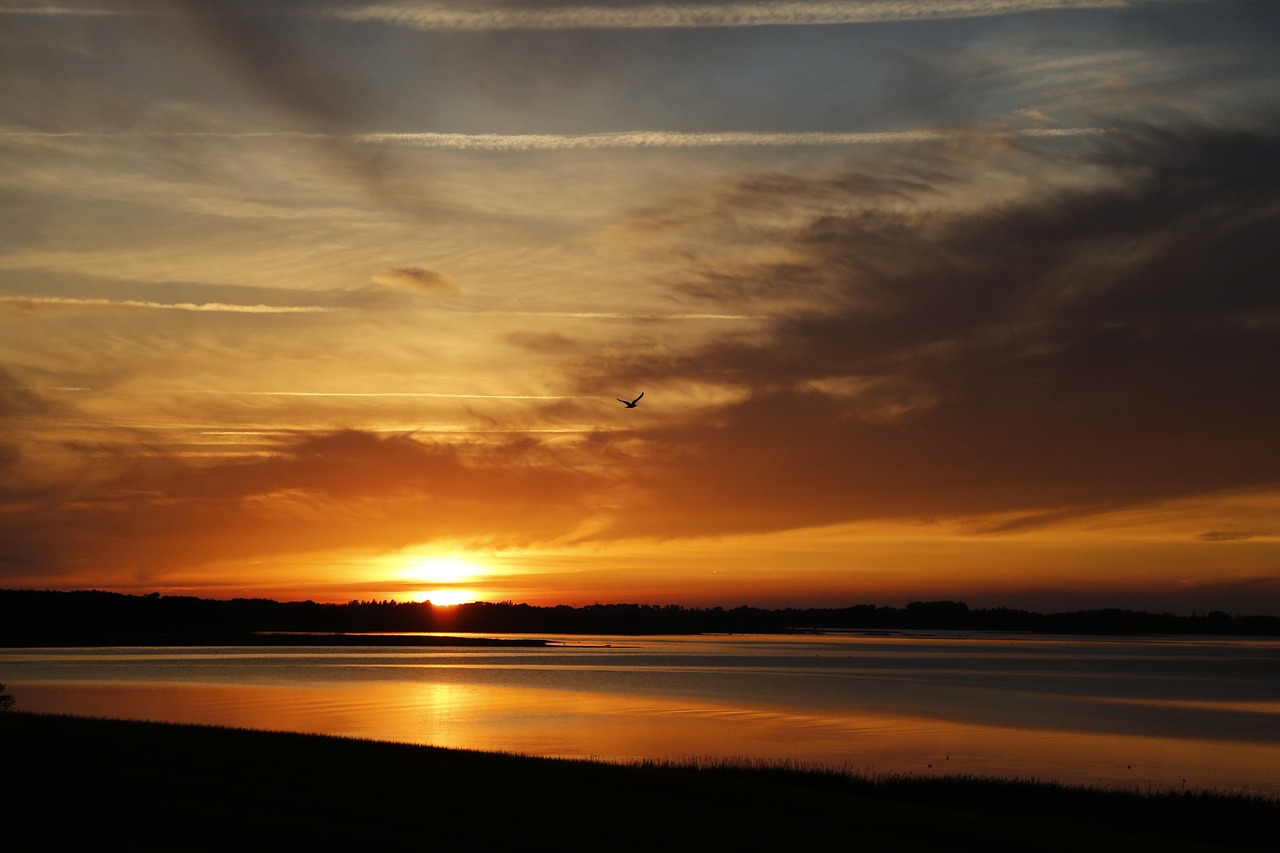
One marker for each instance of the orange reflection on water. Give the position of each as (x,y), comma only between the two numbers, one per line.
(559,723)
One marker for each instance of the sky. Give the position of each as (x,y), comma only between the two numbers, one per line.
(928,299)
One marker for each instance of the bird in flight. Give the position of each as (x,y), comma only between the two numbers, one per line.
(632,404)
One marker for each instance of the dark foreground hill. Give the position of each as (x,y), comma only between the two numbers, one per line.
(73,783)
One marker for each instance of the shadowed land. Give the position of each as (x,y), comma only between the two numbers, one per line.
(96,618)
(111,785)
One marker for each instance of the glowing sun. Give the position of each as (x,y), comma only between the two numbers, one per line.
(443,579)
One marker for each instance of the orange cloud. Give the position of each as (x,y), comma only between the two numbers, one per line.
(328,491)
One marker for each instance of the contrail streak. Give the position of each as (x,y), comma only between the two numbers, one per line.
(623,139)
(160,134)
(442,16)
(435,16)
(672,139)
(624,315)
(224,307)
(409,394)
(73,11)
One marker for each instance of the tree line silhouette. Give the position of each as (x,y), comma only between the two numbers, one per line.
(37,617)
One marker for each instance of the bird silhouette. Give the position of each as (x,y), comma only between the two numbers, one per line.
(632,404)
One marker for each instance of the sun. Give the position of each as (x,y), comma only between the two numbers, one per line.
(450,569)
(443,579)
(446,597)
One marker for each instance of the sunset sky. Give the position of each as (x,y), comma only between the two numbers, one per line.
(928,299)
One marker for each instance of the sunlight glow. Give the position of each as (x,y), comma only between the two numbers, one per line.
(445,569)
(442,577)
(446,597)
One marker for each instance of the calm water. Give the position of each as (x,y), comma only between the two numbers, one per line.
(1137,713)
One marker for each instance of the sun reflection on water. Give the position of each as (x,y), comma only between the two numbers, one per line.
(879,705)
(569,724)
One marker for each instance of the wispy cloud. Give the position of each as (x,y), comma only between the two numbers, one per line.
(37,302)
(448,17)
(434,16)
(68,10)
(406,394)
(628,315)
(673,139)
(325,489)
(622,139)
(18,134)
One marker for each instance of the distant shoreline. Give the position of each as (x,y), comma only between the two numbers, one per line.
(274,639)
(54,618)
(73,782)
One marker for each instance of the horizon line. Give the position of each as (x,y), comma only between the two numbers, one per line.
(773,609)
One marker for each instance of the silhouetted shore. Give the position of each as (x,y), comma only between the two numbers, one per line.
(36,618)
(76,783)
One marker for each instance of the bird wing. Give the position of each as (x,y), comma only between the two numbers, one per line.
(637,399)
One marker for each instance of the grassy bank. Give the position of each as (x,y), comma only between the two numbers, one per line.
(75,783)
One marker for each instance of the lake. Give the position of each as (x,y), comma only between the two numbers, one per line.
(1145,713)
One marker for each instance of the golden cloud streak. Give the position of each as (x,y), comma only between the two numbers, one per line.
(582,141)
(223,307)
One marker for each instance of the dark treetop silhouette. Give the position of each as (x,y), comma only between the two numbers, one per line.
(95,618)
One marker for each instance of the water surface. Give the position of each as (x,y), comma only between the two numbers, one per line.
(1137,713)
